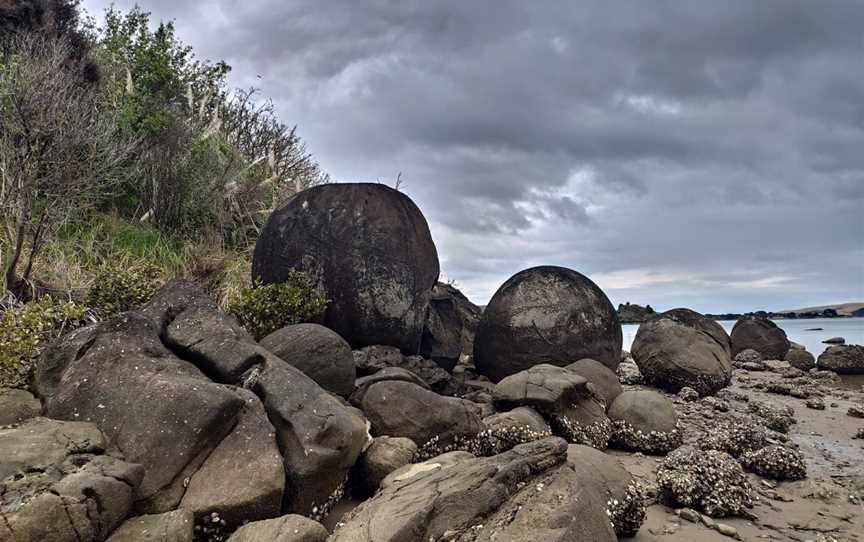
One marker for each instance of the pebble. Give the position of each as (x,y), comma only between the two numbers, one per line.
(727,530)
(707,521)
(689,514)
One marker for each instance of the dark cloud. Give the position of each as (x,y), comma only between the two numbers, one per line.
(697,153)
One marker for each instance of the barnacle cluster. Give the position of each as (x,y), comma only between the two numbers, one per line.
(773,417)
(211,528)
(777,462)
(688,394)
(491,441)
(815,403)
(628,373)
(625,436)
(628,513)
(717,404)
(855,411)
(321,511)
(711,481)
(736,438)
(595,434)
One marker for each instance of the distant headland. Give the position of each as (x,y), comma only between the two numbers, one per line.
(631,313)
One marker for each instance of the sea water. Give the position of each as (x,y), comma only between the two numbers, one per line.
(809,332)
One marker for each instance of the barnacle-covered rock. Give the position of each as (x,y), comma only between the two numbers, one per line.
(855,411)
(688,394)
(773,417)
(736,438)
(645,421)
(710,481)
(777,462)
(815,403)
(603,475)
(748,355)
(508,429)
(628,372)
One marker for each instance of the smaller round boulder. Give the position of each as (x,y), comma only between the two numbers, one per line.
(546,315)
(320,353)
(683,348)
(384,455)
(847,359)
(707,480)
(605,382)
(759,334)
(645,421)
(800,359)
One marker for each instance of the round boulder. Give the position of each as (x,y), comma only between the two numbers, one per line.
(800,359)
(547,315)
(761,335)
(683,348)
(605,382)
(848,359)
(319,352)
(383,456)
(645,421)
(369,248)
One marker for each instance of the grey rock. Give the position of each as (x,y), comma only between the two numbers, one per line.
(174,526)
(159,410)
(58,484)
(761,335)
(450,326)
(710,481)
(319,436)
(801,359)
(369,248)
(570,403)
(683,348)
(243,479)
(835,340)
(291,528)
(603,475)
(604,380)
(17,406)
(645,421)
(383,456)
(546,315)
(847,359)
(505,430)
(320,353)
(402,409)
(372,359)
(527,493)
(390,373)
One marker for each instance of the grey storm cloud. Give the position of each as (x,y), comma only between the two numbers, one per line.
(699,153)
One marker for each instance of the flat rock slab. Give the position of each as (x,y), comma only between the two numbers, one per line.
(57,484)
(526,493)
(175,526)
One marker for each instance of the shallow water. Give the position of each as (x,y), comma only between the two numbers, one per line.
(852,329)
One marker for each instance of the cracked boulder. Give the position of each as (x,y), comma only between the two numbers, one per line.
(546,315)
(191,325)
(58,484)
(369,248)
(319,352)
(681,348)
(527,493)
(243,479)
(157,409)
(320,436)
(450,326)
(759,334)
(567,400)
(402,409)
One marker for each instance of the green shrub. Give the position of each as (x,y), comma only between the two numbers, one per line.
(262,309)
(23,329)
(117,287)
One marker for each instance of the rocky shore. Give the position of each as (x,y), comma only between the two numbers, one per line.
(405,414)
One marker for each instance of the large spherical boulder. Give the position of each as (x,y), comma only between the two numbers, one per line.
(761,335)
(547,315)
(369,248)
(683,348)
(800,359)
(319,352)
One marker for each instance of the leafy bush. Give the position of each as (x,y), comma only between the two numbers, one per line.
(24,328)
(119,288)
(263,309)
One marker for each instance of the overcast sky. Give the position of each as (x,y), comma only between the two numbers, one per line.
(707,154)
